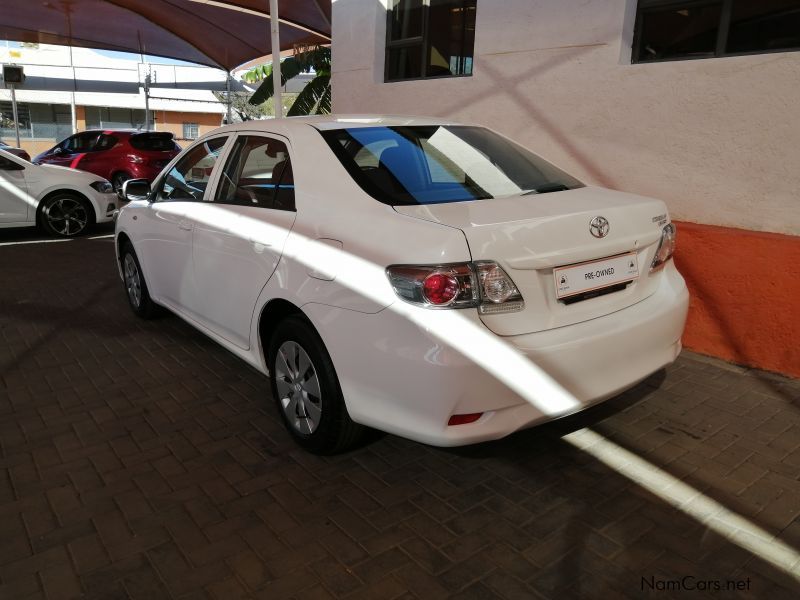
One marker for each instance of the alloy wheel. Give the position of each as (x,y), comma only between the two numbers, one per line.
(133,282)
(66,216)
(298,387)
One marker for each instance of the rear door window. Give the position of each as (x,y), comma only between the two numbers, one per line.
(105,142)
(258,173)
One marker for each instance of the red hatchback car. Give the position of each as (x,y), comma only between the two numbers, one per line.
(114,155)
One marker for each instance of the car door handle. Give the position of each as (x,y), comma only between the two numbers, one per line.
(185,225)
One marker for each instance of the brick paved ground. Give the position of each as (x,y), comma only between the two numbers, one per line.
(140,460)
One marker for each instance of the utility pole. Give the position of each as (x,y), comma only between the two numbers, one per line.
(147,101)
(14,110)
(14,75)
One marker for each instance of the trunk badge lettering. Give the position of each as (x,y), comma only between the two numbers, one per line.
(599,227)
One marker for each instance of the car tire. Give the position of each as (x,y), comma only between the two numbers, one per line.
(306,389)
(66,215)
(135,287)
(118,179)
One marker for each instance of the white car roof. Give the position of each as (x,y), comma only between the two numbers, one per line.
(327,122)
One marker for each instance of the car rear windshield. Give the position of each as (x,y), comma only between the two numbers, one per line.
(432,164)
(153,141)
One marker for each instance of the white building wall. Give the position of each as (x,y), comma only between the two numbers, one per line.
(718,139)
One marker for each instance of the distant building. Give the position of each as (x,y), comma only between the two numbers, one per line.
(107,94)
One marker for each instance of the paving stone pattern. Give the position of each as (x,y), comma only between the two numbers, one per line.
(140,460)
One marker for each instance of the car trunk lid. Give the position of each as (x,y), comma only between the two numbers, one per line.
(533,237)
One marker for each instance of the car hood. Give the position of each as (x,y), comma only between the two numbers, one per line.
(73,175)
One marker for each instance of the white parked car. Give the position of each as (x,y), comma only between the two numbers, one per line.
(425,278)
(64,202)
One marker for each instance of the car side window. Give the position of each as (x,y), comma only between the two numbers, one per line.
(81,142)
(189,178)
(258,173)
(105,142)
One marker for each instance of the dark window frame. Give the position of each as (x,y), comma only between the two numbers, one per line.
(234,155)
(423,41)
(645,6)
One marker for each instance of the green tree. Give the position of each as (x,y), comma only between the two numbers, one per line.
(315,97)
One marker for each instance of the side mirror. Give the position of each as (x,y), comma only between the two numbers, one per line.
(57,150)
(135,189)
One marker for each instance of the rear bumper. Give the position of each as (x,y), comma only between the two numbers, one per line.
(400,375)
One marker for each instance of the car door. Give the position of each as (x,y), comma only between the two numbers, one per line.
(165,236)
(96,159)
(15,203)
(239,236)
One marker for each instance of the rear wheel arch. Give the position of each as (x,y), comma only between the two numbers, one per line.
(273,313)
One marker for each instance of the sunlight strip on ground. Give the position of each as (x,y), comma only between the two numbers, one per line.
(34,242)
(688,500)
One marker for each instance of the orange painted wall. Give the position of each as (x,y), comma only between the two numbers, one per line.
(745,295)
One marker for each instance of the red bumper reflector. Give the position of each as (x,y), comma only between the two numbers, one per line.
(464,419)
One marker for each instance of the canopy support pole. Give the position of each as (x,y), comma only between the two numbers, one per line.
(228,98)
(275,27)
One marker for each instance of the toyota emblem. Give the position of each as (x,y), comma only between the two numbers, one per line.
(599,227)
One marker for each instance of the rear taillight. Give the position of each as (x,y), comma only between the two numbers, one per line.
(497,290)
(666,247)
(440,288)
(481,284)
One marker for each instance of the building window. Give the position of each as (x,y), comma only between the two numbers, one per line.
(429,38)
(670,30)
(190,131)
(36,121)
(105,117)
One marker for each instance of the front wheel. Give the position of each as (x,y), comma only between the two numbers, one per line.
(306,389)
(66,215)
(135,286)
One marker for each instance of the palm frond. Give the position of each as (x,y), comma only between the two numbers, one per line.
(314,99)
(289,68)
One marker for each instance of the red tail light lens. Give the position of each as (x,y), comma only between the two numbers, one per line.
(482,284)
(440,288)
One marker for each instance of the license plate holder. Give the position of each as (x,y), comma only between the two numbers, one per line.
(580,278)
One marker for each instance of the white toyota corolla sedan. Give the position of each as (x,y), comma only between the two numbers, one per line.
(64,202)
(425,278)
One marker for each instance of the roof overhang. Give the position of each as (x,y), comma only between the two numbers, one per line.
(217,33)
